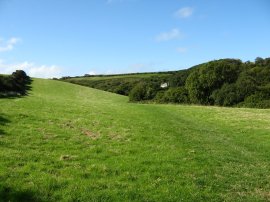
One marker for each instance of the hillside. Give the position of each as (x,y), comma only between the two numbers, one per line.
(66,142)
(224,82)
(121,84)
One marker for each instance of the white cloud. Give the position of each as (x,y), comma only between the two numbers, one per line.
(44,71)
(92,73)
(33,70)
(184,12)
(170,35)
(9,44)
(181,50)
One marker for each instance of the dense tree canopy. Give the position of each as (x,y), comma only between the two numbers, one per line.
(207,78)
(226,82)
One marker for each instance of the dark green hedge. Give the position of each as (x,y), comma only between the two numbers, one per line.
(18,83)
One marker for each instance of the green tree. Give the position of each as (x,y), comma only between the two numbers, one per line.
(259,61)
(226,96)
(138,93)
(209,77)
(176,95)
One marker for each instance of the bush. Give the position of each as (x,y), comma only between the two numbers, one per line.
(176,95)
(20,81)
(138,93)
(123,89)
(143,91)
(17,83)
(226,96)
(160,96)
(257,100)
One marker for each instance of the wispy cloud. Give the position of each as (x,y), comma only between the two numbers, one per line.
(170,35)
(8,45)
(45,71)
(33,70)
(185,12)
(181,50)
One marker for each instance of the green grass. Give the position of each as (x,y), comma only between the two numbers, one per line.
(124,76)
(65,142)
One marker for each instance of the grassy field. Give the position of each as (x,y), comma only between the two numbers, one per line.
(124,76)
(65,142)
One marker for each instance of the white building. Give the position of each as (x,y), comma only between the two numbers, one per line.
(164,85)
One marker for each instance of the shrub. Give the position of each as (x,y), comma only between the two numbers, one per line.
(138,93)
(144,91)
(17,83)
(257,100)
(160,96)
(226,96)
(176,95)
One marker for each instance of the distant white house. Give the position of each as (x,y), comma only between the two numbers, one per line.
(164,85)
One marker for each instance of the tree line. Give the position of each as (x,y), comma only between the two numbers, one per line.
(16,84)
(225,82)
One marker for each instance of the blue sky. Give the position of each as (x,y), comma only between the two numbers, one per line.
(52,38)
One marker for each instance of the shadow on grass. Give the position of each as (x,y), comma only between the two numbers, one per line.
(3,121)
(7,194)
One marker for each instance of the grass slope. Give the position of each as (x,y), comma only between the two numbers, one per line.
(123,76)
(71,143)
